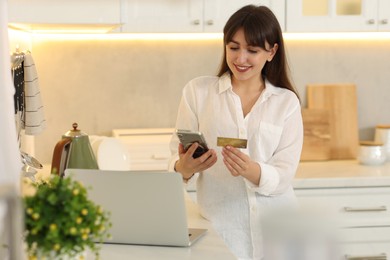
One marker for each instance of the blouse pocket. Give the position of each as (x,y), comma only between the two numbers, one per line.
(268,139)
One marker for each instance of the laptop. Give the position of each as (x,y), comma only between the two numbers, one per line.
(147,208)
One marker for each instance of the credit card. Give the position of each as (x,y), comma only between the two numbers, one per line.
(235,142)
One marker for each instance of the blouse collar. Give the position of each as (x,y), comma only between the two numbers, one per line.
(225,83)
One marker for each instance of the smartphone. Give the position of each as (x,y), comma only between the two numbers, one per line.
(187,138)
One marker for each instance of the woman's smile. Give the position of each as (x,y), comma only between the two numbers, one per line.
(242,68)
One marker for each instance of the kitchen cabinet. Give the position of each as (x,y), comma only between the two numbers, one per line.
(361,213)
(365,243)
(354,198)
(60,12)
(188,16)
(369,206)
(337,15)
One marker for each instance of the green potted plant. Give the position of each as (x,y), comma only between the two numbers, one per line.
(61,221)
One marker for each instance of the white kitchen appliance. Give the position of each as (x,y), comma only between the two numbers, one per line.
(148,150)
(147,208)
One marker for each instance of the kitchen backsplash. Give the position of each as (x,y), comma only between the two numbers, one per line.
(106,84)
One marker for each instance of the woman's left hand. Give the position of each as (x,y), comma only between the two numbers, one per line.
(240,164)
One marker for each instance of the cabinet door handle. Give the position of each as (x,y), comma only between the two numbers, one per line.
(357,209)
(196,22)
(367,257)
(371,21)
(384,21)
(210,22)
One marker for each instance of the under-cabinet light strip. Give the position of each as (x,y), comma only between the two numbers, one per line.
(208,36)
(132,36)
(338,36)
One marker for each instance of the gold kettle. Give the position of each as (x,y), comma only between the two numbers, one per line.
(73,151)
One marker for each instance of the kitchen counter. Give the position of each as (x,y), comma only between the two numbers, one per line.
(341,173)
(326,174)
(210,246)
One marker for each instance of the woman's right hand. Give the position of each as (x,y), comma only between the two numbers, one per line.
(188,166)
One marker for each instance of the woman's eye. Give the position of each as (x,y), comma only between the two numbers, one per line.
(252,51)
(234,48)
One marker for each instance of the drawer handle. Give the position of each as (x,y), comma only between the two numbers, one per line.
(159,157)
(353,209)
(367,257)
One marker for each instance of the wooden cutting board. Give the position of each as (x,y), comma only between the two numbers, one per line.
(341,101)
(316,138)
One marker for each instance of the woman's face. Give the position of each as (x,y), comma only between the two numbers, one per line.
(245,61)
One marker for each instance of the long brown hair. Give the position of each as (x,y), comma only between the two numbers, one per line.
(260,27)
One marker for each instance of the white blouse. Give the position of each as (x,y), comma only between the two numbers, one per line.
(274,132)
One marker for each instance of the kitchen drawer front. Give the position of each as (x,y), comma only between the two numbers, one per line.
(352,206)
(365,243)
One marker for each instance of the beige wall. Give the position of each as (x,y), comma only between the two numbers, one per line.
(106,84)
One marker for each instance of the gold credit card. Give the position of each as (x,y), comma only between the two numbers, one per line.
(235,142)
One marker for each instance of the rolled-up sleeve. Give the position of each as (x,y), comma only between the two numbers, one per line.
(269,180)
(278,172)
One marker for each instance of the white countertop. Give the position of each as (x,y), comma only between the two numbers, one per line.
(210,246)
(341,173)
(329,174)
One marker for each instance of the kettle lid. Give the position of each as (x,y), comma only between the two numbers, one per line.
(74,132)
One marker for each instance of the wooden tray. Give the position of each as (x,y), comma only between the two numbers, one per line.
(317,138)
(341,101)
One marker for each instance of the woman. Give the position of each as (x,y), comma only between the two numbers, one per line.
(251,98)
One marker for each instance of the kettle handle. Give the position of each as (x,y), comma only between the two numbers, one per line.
(60,156)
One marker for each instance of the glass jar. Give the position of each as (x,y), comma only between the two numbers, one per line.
(371,153)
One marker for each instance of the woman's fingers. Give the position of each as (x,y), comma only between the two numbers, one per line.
(191,150)
(190,165)
(207,160)
(235,160)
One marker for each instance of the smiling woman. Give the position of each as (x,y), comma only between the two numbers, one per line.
(253,99)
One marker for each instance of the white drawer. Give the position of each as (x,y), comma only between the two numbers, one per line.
(365,243)
(352,206)
(306,237)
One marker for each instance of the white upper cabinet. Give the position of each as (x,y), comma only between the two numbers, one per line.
(161,16)
(383,20)
(93,12)
(217,12)
(186,15)
(337,15)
